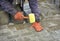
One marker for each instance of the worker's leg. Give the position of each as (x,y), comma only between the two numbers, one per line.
(34,8)
(10,1)
(9,15)
(7,6)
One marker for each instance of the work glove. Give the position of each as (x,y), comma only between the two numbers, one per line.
(37,26)
(19,16)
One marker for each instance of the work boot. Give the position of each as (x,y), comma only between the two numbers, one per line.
(37,26)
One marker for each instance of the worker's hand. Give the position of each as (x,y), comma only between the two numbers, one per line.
(19,16)
(37,26)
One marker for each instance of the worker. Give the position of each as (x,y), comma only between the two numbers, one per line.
(8,7)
